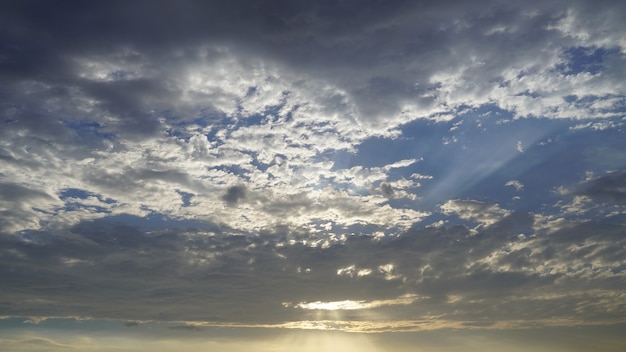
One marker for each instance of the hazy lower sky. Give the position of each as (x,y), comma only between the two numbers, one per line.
(301,176)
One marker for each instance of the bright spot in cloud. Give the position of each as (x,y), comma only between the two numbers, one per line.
(355,305)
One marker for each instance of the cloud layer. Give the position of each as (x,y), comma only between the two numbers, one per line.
(379,166)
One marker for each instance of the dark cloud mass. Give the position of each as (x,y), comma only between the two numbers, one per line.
(124,273)
(387,190)
(234,194)
(611,187)
(364,166)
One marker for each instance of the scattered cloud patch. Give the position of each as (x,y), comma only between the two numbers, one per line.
(515,184)
(483,213)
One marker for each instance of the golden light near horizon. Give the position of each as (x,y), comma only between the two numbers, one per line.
(315,341)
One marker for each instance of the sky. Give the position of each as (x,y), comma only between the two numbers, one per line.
(324,175)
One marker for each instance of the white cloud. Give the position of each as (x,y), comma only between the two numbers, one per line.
(421,177)
(400,164)
(483,213)
(354,305)
(515,184)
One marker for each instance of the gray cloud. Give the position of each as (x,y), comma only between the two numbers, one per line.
(610,187)
(19,206)
(387,190)
(16,194)
(234,194)
(138,56)
(105,270)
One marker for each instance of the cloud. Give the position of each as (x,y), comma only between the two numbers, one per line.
(515,184)
(611,187)
(354,305)
(207,162)
(401,163)
(123,272)
(387,190)
(255,106)
(595,196)
(234,194)
(20,206)
(483,213)
(368,91)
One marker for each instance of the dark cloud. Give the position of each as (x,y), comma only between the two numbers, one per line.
(119,271)
(19,205)
(234,194)
(387,190)
(610,187)
(44,44)
(15,193)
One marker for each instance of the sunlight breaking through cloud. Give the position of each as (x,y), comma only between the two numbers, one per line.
(354,305)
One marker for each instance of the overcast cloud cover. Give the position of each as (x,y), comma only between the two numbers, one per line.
(447,174)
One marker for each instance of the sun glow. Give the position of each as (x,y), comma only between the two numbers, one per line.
(305,341)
